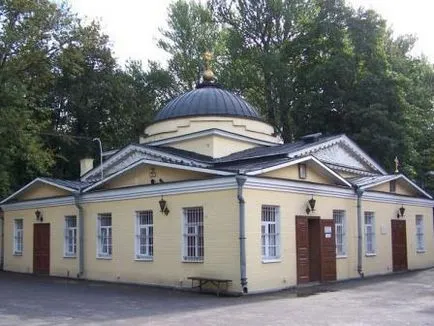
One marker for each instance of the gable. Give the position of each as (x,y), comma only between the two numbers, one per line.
(316,172)
(144,173)
(402,188)
(291,173)
(42,190)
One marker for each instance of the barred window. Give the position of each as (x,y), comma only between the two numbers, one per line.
(370,233)
(270,232)
(105,235)
(144,235)
(18,237)
(340,231)
(420,237)
(193,234)
(70,245)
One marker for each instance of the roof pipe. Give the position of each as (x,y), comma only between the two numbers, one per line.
(241,179)
(77,202)
(359,193)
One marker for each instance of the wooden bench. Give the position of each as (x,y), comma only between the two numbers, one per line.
(217,282)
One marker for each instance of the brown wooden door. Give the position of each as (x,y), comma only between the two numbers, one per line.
(41,248)
(328,250)
(302,245)
(314,250)
(399,245)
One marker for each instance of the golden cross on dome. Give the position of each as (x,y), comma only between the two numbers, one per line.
(396,164)
(208,74)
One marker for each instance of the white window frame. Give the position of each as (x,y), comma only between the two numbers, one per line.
(144,235)
(302,170)
(270,241)
(70,243)
(340,220)
(18,237)
(104,237)
(420,234)
(370,241)
(193,235)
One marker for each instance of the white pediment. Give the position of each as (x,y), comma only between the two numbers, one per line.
(130,155)
(339,154)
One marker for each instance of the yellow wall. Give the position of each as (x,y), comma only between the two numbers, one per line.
(347,175)
(291,172)
(402,188)
(214,146)
(56,217)
(183,126)
(265,276)
(42,190)
(140,176)
(381,263)
(220,233)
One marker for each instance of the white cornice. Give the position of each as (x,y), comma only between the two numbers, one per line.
(157,163)
(299,187)
(211,132)
(396,199)
(38,203)
(348,169)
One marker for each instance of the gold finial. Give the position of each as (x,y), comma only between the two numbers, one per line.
(396,164)
(208,74)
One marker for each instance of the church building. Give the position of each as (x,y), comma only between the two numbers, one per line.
(211,192)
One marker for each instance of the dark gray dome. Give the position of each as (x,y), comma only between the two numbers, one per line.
(207,99)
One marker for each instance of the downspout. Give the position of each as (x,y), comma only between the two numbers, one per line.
(2,237)
(359,193)
(241,179)
(77,199)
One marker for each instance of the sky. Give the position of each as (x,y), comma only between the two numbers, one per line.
(133,25)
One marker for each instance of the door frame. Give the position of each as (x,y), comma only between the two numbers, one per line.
(35,256)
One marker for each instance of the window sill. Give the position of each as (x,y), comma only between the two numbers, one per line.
(104,257)
(69,256)
(17,254)
(144,259)
(371,255)
(341,256)
(271,261)
(192,261)
(421,251)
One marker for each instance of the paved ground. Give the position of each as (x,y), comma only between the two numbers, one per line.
(404,299)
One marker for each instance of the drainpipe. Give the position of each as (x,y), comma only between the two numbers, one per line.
(241,179)
(2,237)
(77,198)
(359,193)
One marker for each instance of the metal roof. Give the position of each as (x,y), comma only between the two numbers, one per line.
(207,99)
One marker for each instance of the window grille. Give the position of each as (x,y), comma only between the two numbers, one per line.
(70,246)
(420,233)
(370,233)
(193,234)
(144,235)
(340,231)
(270,232)
(104,235)
(18,237)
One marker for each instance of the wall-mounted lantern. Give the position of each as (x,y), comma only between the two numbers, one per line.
(401,212)
(310,207)
(163,206)
(39,216)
